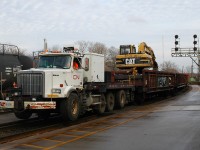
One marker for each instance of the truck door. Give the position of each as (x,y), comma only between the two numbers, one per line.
(77,73)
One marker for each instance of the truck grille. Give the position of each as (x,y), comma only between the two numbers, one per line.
(30,83)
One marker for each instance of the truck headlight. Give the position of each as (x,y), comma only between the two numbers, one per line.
(56,91)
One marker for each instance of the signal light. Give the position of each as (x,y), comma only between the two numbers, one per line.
(176,42)
(195,48)
(195,36)
(195,42)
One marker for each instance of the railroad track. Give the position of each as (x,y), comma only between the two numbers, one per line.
(25,128)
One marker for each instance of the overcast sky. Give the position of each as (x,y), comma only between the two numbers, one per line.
(26,23)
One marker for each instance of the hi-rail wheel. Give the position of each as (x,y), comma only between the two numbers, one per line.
(110,101)
(120,99)
(70,108)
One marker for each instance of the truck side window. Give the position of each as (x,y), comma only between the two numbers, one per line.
(76,63)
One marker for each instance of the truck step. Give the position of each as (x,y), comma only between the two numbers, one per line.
(96,95)
(96,103)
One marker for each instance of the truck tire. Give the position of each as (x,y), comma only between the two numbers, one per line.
(70,108)
(100,109)
(23,114)
(120,99)
(110,101)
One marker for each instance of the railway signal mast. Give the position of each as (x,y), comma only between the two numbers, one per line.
(193,53)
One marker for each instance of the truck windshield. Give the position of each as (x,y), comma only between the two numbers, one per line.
(55,62)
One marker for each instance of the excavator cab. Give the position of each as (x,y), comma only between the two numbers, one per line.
(127,49)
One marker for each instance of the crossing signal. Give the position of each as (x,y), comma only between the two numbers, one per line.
(176,43)
(195,42)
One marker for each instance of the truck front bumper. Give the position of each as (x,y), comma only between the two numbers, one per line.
(28,105)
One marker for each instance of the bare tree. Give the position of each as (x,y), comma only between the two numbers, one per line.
(111,58)
(55,47)
(83,46)
(169,66)
(97,47)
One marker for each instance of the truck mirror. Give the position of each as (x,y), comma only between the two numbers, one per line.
(86,64)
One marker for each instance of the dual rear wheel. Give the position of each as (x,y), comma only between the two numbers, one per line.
(108,103)
(120,99)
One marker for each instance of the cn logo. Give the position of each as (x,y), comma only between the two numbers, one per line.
(75,77)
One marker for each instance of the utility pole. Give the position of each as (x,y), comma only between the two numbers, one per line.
(163,48)
(45,45)
(192,69)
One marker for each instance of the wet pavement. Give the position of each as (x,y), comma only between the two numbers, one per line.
(7,117)
(164,125)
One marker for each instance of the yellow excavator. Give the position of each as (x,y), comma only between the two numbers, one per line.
(135,62)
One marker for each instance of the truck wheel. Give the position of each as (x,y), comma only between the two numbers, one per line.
(120,99)
(70,108)
(24,114)
(100,109)
(110,102)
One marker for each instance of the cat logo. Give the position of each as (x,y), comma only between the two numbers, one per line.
(130,61)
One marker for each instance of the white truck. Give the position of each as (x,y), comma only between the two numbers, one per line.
(57,86)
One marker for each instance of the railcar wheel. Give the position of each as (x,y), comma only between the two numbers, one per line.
(120,99)
(70,108)
(110,102)
(100,109)
(23,114)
